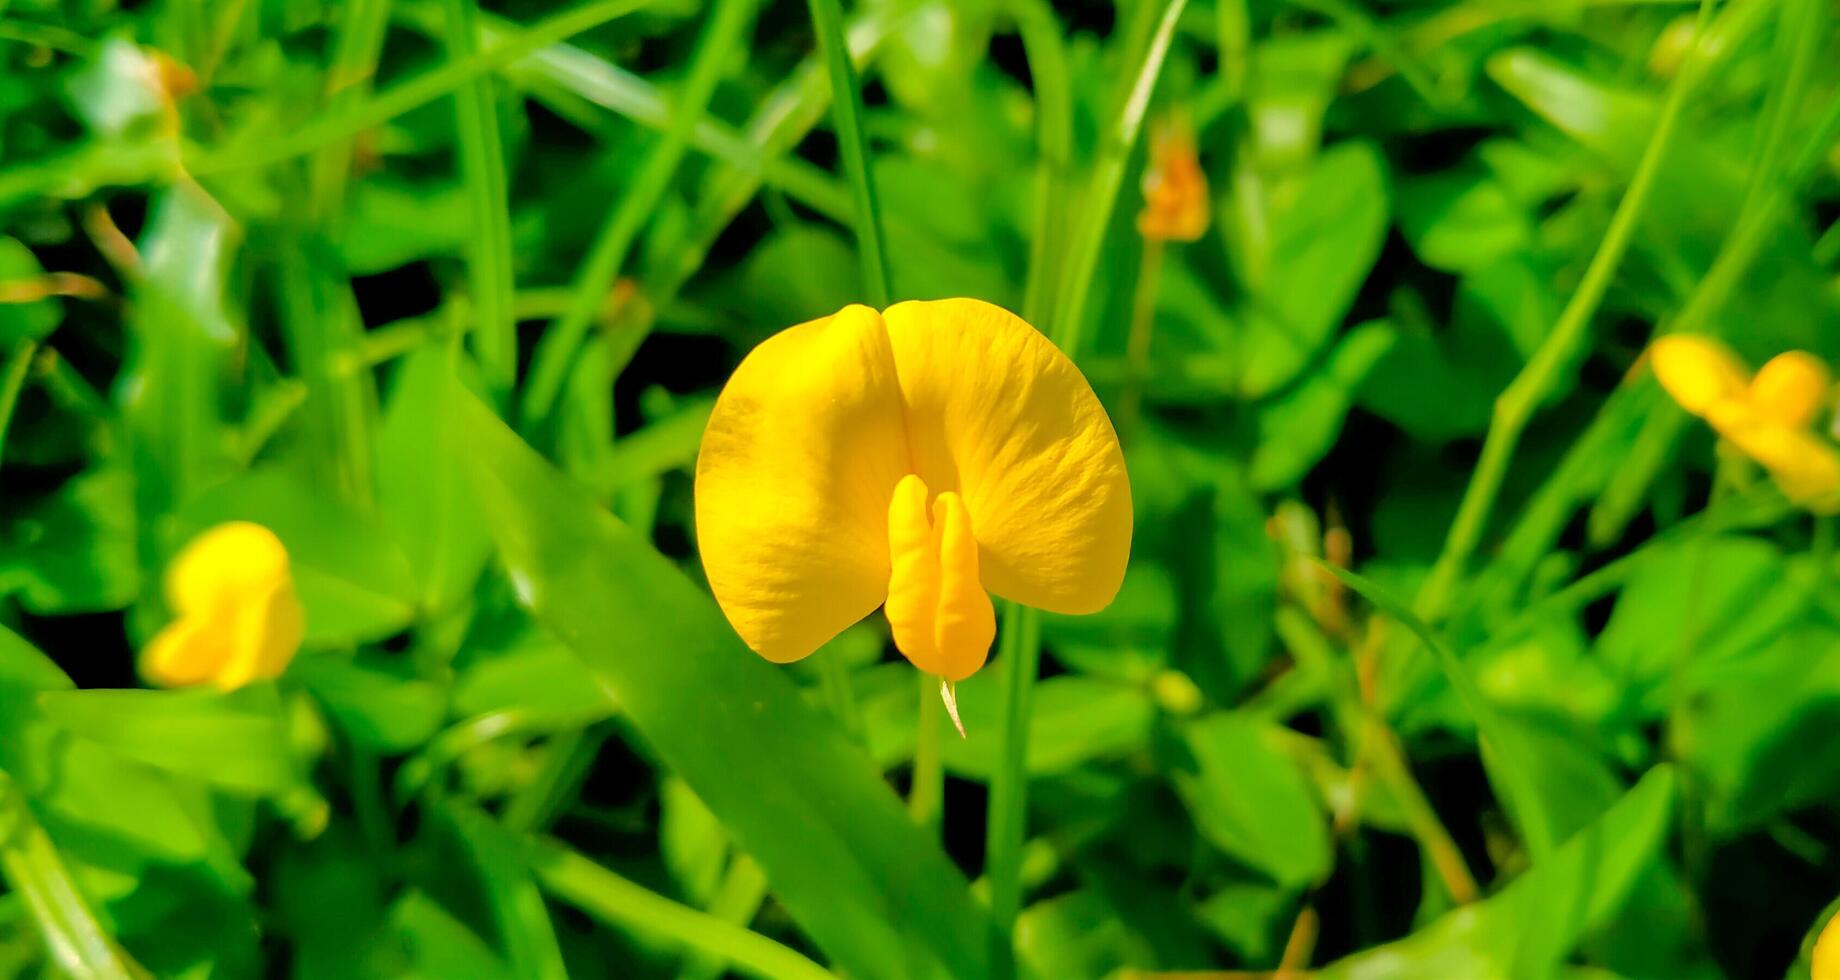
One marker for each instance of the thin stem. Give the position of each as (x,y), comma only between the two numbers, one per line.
(1108,177)
(853,143)
(12,383)
(1047,56)
(482,168)
(613,899)
(1514,408)
(416,92)
(556,353)
(1019,654)
(926,792)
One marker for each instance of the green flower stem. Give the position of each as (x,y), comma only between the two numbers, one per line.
(1516,405)
(926,791)
(76,941)
(853,143)
(615,900)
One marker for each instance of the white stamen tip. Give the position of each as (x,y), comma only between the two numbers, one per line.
(948,693)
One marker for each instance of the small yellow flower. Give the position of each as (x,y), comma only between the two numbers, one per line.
(1175,189)
(1769,417)
(922,457)
(237,618)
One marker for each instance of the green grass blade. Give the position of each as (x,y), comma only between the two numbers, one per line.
(78,944)
(869,887)
(482,164)
(412,94)
(1108,177)
(721,38)
(511,891)
(847,112)
(1020,657)
(1515,408)
(613,899)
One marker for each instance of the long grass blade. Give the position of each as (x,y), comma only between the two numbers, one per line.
(482,164)
(853,142)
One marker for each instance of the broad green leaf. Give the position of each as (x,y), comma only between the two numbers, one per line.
(1251,800)
(1326,229)
(538,677)
(238,741)
(1462,219)
(1530,927)
(1695,609)
(422,493)
(871,890)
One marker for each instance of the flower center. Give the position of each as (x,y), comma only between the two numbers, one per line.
(937,608)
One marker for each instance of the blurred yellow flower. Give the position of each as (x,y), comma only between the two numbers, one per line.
(1175,189)
(924,456)
(237,618)
(1824,964)
(1769,417)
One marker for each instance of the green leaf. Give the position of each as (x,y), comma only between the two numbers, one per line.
(834,841)
(238,741)
(1462,219)
(79,944)
(1251,800)
(423,495)
(1326,230)
(1530,927)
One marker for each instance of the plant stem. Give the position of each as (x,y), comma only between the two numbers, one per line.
(926,792)
(1107,178)
(853,143)
(588,295)
(1515,407)
(613,899)
(482,169)
(1019,655)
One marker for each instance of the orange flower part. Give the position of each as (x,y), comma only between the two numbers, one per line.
(1175,189)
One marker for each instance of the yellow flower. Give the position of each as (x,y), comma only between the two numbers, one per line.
(1175,189)
(1769,417)
(920,457)
(1824,963)
(237,618)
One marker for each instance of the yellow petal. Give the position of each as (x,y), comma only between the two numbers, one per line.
(999,416)
(186,652)
(1697,371)
(264,636)
(798,462)
(229,563)
(1805,467)
(1791,389)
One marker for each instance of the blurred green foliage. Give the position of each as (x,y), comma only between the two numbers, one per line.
(442,296)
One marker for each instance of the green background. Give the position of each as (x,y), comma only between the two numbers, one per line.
(1449,647)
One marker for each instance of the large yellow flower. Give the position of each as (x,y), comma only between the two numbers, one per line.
(1769,417)
(917,457)
(237,618)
